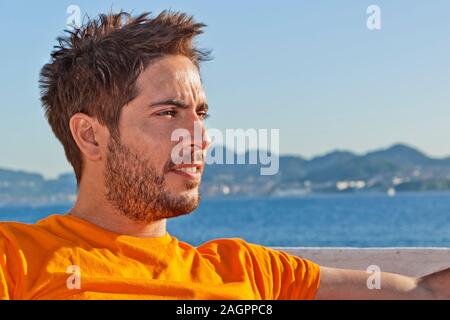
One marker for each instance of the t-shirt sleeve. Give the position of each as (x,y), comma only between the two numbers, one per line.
(274,274)
(9,263)
(282,276)
(4,276)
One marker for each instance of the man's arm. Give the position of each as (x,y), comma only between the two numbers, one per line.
(352,284)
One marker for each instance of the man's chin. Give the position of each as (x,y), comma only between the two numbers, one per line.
(191,201)
(184,202)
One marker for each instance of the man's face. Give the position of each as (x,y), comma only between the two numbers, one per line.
(141,179)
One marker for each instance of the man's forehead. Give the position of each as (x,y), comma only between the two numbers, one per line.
(171,73)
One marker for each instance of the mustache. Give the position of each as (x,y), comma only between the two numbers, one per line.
(196,157)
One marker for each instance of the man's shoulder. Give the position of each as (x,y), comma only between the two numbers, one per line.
(224,243)
(238,248)
(8,229)
(19,232)
(233,247)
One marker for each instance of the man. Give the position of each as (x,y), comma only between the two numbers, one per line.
(114,92)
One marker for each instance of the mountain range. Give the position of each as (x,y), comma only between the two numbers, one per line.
(400,167)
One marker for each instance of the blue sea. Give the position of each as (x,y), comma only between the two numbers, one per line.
(353,220)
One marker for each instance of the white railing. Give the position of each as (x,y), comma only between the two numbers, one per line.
(408,261)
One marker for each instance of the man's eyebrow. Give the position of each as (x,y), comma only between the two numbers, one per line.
(179,104)
(173,102)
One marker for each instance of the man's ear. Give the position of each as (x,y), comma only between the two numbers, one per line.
(83,128)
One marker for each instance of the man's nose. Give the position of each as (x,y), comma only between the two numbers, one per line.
(206,140)
(200,137)
(198,132)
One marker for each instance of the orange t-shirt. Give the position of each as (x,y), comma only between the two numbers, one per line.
(64,257)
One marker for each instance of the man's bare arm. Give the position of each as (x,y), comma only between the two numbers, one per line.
(352,284)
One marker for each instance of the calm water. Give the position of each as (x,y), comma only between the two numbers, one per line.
(350,220)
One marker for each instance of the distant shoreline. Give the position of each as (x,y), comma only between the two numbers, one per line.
(329,195)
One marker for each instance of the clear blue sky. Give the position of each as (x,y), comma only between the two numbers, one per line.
(310,68)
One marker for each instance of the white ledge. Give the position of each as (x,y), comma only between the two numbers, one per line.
(411,261)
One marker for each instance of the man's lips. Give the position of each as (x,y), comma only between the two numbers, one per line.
(188,170)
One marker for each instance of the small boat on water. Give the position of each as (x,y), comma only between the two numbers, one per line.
(391,192)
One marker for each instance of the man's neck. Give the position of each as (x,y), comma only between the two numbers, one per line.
(92,206)
(98,211)
(120,224)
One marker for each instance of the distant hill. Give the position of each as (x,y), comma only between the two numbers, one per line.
(24,188)
(399,166)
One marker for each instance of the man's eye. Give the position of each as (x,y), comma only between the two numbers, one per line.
(170,113)
(203,115)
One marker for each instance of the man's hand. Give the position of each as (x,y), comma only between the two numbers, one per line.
(352,285)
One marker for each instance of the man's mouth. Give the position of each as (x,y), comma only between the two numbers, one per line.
(192,171)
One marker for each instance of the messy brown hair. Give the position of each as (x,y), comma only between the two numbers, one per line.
(94,68)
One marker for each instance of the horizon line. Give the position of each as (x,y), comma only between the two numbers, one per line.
(359,154)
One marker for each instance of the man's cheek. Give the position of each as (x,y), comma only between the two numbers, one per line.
(155,144)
